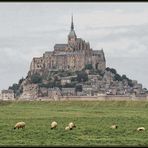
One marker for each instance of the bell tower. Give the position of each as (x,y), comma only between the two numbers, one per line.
(72,35)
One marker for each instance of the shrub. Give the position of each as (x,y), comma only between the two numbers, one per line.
(14,87)
(36,78)
(78,88)
(82,76)
(117,77)
(88,66)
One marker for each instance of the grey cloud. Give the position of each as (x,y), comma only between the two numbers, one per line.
(120,41)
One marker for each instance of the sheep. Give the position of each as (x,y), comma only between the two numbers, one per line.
(53,125)
(19,125)
(71,125)
(114,126)
(67,128)
(140,129)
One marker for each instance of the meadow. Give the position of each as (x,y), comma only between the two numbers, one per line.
(92,118)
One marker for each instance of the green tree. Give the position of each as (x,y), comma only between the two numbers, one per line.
(36,78)
(74,79)
(130,83)
(82,76)
(107,69)
(117,77)
(14,87)
(20,81)
(78,88)
(113,71)
(88,66)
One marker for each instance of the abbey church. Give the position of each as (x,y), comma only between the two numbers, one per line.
(71,56)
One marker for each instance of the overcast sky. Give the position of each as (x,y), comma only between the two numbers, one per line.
(27,30)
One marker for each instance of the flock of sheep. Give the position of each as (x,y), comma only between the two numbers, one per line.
(138,129)
(70,126)
(54,124)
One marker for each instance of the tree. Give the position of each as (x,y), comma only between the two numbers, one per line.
(14,87)
(74,79)
(117,77)
(36,78)
(82,76)
(130,83)
(21,80)
(107,69)
(78,88)
(88,66)
(113,71)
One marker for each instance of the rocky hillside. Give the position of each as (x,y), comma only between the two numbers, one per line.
(88,81)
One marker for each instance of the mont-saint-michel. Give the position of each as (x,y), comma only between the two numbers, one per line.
(69,80)
(73,69)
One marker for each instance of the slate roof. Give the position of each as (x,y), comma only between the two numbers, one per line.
(60,46)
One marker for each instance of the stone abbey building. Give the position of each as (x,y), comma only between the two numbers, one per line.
(71,56)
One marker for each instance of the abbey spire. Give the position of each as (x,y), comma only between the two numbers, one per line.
(72,25)
(72,35)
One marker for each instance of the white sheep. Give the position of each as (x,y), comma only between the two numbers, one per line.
(114,126)
(19,125)
(71,125)
(67,128)
(53,125)
(140,129)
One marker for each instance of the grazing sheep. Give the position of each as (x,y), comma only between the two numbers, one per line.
(114,126)
(71,125)
(53,125)
(67,128)
(140,129)
(19,125)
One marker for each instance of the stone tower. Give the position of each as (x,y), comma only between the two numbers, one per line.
(72,35)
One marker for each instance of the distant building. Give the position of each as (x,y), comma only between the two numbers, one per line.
(7,95)
(54,93)
(65,80)
(68,92)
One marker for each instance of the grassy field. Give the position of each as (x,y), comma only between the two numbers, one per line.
(93,121)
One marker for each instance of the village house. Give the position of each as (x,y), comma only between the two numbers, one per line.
(87,90)
(65,80)
(54,93)
(68,92)
(30,92)
(7,95)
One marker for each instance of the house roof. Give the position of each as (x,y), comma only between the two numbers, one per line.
(7,91)
(60,46)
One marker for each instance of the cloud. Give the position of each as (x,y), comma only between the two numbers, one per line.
(122,41)
(111,18)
